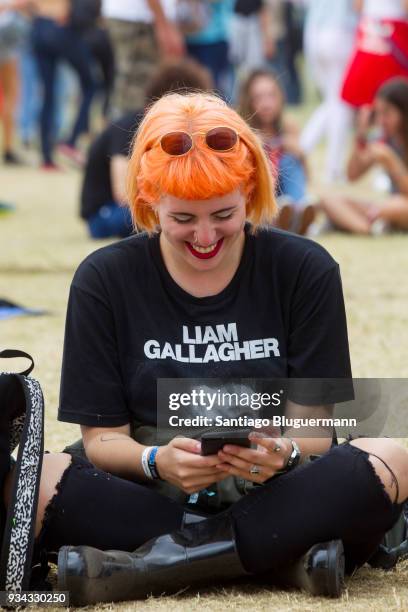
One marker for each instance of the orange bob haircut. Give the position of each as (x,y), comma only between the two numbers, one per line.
(202,173)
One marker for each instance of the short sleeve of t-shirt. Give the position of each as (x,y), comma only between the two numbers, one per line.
(91,380)
(318,343)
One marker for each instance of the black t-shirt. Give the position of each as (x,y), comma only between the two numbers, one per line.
(114,140)
(248,7)
(129,323)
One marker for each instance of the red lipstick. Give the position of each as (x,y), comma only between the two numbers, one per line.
(209,255)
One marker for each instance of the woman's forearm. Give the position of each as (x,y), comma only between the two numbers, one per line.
(360,161)
(157,10)
(117,454)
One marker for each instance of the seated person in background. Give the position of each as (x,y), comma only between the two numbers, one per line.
(103,198)
(390,151)
(262,104)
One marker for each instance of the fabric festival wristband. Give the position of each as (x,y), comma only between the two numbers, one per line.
(152,463)
(145,462)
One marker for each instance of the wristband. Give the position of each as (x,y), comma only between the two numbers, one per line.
(294,458)
(145,463)
(151,461)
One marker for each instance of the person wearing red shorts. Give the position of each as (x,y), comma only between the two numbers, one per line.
(381,50)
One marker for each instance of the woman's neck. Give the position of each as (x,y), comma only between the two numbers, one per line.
(269,131)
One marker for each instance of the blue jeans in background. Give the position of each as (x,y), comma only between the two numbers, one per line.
(214,56)
(30,98)
(291,178)
(111,220)
(284,67)
(53,44)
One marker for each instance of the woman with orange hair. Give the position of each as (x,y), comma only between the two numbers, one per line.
(207,291)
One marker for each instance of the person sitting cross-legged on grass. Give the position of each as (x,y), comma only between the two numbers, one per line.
(389,151)
(262,104)
(191,297)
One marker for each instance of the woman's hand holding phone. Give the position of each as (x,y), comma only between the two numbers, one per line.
(257,465)
(180,462)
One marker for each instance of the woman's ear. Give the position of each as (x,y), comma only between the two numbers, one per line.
(156,213)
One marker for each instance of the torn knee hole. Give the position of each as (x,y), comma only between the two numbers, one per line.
(390,483)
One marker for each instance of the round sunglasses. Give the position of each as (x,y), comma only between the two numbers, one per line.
(220,139)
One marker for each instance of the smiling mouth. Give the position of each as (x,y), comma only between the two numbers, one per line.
(205,252)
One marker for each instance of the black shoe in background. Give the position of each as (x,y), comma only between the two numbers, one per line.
(11,159)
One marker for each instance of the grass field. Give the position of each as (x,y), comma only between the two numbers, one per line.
(42,243)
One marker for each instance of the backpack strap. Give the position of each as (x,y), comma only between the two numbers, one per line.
(12,353)
(19,530)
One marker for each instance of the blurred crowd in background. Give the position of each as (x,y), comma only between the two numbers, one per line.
(76,76)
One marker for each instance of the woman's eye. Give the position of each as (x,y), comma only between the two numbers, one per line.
(224,216)
(182,219)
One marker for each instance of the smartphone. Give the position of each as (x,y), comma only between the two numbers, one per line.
(212,442)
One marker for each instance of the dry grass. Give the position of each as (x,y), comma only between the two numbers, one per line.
(41,245)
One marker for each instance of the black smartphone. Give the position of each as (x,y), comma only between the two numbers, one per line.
(212,442)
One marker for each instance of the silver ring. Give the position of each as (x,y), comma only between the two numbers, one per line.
(277,449)
(255,470)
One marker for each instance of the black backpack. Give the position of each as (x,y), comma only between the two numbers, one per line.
(21,398)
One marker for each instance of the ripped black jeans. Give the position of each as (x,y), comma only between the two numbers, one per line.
(338,496)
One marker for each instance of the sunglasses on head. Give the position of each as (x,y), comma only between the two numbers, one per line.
(218,139)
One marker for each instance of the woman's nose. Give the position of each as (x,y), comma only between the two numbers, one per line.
(205,234)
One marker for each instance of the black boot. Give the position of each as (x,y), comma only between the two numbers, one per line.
(320,571)
(198,554)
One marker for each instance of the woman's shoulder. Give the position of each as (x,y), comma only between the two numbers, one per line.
(291,254)
(114,262)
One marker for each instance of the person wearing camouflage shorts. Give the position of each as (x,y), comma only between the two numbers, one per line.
(140,32)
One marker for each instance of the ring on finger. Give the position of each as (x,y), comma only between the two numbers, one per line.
(255,470)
